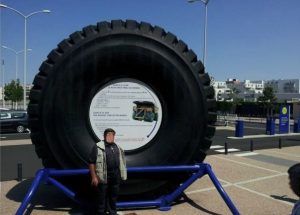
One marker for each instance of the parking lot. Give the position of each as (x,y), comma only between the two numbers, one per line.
(256,182)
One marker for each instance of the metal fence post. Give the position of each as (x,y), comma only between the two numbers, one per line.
(19,172)
(251,145)
(279,143)
(226,148)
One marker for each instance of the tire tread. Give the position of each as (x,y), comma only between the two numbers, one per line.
(103,29)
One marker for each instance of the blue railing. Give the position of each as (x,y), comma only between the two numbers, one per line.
(163,203)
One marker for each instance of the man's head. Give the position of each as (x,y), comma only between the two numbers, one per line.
(294,175)
(109,135)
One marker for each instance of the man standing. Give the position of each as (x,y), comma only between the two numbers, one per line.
(107,167)
(294,176)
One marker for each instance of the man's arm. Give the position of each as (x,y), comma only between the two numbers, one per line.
(95,179)
(92,167)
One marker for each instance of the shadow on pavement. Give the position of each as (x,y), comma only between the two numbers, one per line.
(195,205)
(47,197)
(284,198)
(50,198)
(184,199)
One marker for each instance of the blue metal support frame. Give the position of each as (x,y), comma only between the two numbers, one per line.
(163,202)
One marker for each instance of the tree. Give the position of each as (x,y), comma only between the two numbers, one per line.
(13,91)
(234,95)
(268,99)
(236,101)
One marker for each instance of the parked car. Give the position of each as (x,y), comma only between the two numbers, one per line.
(13,121)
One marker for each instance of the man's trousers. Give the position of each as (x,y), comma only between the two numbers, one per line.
(106,194)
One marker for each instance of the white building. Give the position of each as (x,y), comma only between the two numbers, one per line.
(251,90)
(222,92)
(285,90)
(246,90)
(1,93)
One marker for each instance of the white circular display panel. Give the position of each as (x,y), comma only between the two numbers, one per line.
(130,108)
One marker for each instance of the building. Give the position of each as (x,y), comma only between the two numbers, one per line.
(284,86)
(222,92)
(285,90)
(1,93)
(247,91)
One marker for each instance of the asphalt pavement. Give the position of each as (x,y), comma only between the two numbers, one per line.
(244,144)
(257,184)
(18,161)
(16,149)
(251,179)
(14,136)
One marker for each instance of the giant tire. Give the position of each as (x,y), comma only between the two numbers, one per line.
(91,58)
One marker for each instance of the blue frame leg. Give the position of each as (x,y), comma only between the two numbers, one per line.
(163,203)
(167,200)
(39,177)
(221,190)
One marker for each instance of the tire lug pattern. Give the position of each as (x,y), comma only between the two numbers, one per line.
(108,30)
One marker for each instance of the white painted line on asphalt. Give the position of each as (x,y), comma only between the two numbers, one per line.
(264,195)
(206,189)
(246,154)
(260,179)
(216,147)
(229,150)
(246,164)
(227,184)
(258,193)
(3,137)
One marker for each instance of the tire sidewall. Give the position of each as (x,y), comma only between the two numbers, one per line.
(68,98)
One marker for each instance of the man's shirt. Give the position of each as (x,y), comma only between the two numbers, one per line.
(112,156)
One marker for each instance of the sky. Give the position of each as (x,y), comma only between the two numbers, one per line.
(246,39)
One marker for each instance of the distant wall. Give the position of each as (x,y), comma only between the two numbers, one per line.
(296,110)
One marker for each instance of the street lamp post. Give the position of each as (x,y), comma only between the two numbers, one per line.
(16,54)
(25,42)
(205,2)
(2,69)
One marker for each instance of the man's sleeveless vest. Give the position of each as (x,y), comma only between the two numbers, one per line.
(101,167)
